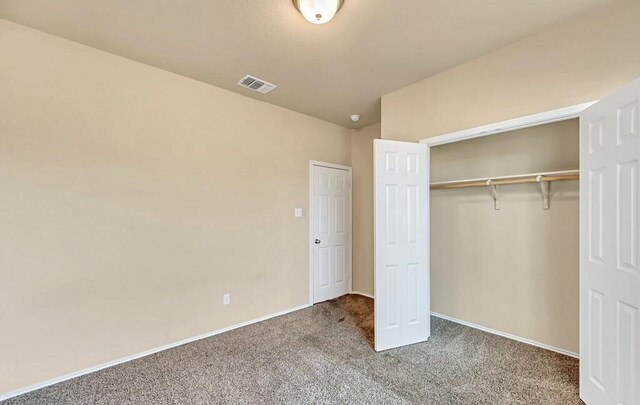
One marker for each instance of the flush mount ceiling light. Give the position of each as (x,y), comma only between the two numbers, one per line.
(318,11)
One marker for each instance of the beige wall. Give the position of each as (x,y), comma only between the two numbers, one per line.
(572,63)
(132,199)
(514,269)
(362,163)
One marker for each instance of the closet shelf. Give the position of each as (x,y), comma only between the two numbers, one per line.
(544,179)
(504,180)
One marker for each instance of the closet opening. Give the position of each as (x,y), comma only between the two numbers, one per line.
(504,233)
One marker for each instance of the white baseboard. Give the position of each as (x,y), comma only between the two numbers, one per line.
(507,335)
(11,394)
(363,294)
(495,332)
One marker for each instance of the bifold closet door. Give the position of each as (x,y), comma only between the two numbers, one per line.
(609,249)
(401,239)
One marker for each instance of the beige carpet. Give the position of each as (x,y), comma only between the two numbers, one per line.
(324,354)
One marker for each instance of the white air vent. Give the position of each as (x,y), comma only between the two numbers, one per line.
(255,84)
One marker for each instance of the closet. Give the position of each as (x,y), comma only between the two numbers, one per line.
(514,241)
(505,233)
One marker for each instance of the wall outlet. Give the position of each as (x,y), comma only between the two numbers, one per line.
(226,299)
(297,212)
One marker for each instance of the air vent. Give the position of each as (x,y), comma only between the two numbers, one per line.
(255,84)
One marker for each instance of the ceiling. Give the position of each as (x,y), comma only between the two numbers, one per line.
(330,71)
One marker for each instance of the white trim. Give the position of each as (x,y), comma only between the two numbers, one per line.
(508,335)
(310,216)
(11,394)
(363,294)
(547,117)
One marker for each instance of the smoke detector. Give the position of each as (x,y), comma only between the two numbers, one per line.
(255,84)
(355,118)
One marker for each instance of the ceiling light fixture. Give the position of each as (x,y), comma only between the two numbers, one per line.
(355,118)
(318,11)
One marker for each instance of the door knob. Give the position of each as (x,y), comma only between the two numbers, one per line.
(318,241)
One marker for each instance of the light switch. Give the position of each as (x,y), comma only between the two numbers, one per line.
(297,212)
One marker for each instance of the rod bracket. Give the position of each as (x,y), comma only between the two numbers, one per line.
(493,189)
(545,188)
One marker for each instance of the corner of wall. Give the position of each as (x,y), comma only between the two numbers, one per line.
(362,164)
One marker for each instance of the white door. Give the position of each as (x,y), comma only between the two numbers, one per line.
(331,231)
(401,205)
(609,244)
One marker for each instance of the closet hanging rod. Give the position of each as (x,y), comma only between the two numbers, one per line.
(514,179)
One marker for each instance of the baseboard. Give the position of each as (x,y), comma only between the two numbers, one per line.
(495,332)
(361,293)
(11,394)
(507,335)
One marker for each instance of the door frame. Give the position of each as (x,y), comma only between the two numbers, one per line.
(348,169)
(546,117)
(534,120)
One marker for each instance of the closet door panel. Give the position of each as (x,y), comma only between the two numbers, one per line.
(401,181)
(609,248)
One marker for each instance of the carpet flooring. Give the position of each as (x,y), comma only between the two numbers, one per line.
(324,354)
